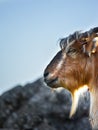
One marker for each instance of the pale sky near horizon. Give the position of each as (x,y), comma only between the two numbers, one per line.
(30,31)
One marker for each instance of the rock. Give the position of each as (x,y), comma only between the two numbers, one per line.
(36,107)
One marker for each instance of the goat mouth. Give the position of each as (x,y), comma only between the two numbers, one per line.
(53,83)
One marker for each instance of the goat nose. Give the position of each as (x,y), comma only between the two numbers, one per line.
(46,74)
(50,80)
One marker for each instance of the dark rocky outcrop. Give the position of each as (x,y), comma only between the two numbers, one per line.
(36,107)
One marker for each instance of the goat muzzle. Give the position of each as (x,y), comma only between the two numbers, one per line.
(50,80)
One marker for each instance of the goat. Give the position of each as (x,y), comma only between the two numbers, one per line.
(74,67)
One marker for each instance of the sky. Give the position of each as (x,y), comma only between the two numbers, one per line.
(30,31)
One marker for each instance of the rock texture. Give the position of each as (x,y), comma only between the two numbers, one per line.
(34,106)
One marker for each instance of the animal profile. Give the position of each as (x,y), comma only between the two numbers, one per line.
(75,67)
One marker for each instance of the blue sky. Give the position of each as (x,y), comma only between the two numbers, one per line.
(30,31)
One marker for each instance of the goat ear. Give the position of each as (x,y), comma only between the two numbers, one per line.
(91,47)
(95,45)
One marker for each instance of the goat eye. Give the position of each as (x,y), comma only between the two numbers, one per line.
(71,50)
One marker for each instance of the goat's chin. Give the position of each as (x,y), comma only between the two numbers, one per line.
(75,99)
(54,85)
